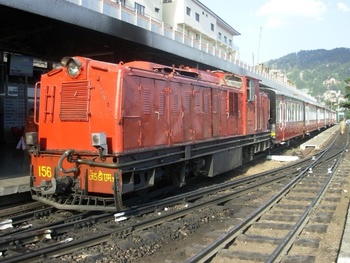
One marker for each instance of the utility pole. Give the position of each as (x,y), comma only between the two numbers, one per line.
(257,59)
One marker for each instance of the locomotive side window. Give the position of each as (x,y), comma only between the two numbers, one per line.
(250,90)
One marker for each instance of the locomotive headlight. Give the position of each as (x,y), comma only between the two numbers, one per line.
(31,138)
(99,141)
(32,142)
(73,66)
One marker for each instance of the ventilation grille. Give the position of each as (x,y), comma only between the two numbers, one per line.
(75,97)
(146,101)
(176,104)
(161,98)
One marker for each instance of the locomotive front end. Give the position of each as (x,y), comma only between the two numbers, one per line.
(71,167)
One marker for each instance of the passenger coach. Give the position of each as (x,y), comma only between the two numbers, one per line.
(293,115)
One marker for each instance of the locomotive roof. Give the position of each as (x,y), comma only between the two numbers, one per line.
(181,70)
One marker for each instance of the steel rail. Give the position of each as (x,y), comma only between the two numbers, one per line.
(61,248)
(222,241)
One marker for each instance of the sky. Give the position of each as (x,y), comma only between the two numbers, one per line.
(271,29)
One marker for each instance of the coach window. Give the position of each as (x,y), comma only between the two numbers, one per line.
(279,112)
(298,112)
(294,112)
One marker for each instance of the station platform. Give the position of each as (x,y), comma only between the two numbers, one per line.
(14,179)
(14,174)
(320,140)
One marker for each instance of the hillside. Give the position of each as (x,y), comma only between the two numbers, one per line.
(317,71)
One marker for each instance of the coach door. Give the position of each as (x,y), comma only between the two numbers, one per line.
(281,120)
(251,106)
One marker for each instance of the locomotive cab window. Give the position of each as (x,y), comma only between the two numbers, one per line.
(233,81)
(250,90)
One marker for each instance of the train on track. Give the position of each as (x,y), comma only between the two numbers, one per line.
(108,130)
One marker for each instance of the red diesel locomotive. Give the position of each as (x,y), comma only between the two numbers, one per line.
(106,130)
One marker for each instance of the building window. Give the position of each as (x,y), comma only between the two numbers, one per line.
(188,11)
(197,17)
(212,27)
(122,2)
(140,9)
(156,10)
(230,42)
(225,39)
(219,36)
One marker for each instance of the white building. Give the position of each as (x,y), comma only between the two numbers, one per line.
(152,8)
(195,20)
(190,18)
(187,21)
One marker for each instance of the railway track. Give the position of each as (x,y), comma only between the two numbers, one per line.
(138,232)
(288,227)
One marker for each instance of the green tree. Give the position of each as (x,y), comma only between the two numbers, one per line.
(346,104)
